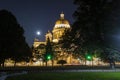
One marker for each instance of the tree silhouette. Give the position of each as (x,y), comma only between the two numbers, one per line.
(62,62)
(91,29)
(12,40)
(49,51)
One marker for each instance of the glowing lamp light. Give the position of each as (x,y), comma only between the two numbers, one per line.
(49,57)
(89,57)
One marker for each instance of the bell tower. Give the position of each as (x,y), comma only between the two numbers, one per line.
(48,35)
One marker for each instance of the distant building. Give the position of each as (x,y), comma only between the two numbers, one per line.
(58,30)
(60,26)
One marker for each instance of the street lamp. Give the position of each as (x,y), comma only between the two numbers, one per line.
(89,57)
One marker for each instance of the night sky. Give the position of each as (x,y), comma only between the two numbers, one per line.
(38,15)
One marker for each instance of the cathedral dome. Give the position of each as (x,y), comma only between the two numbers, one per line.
(62,23)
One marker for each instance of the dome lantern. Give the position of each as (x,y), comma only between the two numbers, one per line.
(62,16)
(62,23)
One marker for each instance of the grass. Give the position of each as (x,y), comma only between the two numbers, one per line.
(68,76)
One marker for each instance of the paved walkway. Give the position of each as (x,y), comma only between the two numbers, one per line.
(4,75)
(101,70)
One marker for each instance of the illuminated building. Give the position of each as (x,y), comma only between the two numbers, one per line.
(55,35)
(60,26)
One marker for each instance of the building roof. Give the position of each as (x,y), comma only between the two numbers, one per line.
(62,23)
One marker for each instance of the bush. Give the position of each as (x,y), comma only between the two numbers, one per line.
(62,62)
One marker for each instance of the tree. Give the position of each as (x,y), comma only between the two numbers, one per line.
(62,62)
(91,29)
(49,52)
(22,52)
(91,16)
(12,41)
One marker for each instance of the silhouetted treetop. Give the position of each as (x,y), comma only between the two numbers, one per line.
(12,40)
(7,17)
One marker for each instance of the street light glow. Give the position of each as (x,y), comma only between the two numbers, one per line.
(89,57)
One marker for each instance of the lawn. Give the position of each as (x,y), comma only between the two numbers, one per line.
(68,76)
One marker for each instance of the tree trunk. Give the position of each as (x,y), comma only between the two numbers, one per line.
(46,63)
(3,64)
(92,62)
(43,63)
(52,63)
(85,62)
(14,63)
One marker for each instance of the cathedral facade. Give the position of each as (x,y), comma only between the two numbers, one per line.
(54,36)
(58,30)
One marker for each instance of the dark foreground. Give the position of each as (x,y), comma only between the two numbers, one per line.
(68,76)
(63,73)
(54,68)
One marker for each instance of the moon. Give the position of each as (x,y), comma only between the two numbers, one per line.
(38,32)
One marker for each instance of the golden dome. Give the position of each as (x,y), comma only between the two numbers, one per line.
(62,23)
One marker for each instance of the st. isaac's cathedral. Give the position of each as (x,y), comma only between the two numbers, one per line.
(54,36)
(58,30)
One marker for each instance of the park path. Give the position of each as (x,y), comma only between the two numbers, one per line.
(4,75)
(100,70)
